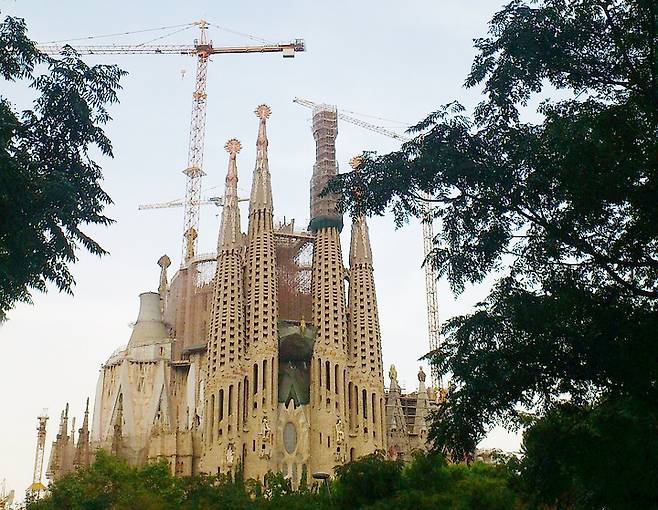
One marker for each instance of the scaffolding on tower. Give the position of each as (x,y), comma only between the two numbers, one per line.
(433,319)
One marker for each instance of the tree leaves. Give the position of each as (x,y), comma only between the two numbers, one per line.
(49,184)
(562,211)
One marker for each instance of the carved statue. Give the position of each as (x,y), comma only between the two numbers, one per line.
(230,455)
(265,430)
(421,375)
(393,373)
(265,439)
(340,433)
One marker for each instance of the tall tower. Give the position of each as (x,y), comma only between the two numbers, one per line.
(329,363)
(224,379)
(366,384)
(261,363)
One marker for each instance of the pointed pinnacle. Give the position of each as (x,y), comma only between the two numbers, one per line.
(261,190)
(233,146)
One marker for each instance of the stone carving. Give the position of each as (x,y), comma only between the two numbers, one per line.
(340,432)
(421,375)
(339,454)
(393,373)
(230,455)
(265,439)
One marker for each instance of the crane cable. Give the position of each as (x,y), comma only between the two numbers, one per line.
(187,27)
(358,114)
(121,33)
(242,34)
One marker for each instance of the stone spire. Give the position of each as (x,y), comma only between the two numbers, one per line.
(329,363)
(82,452)
(261,187)
(364,346)
(397,435)
(261,383)
(422,406)
(64,422)
(226,333)
(365,349)
(360,251)
(164,262)
(60,461)
(230,235)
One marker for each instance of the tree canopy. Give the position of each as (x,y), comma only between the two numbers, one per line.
(558,204)
(372,482)
(49,182)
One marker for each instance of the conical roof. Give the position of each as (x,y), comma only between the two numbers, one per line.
(149,328)
(360,251)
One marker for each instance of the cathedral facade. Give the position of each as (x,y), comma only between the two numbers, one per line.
(264,355)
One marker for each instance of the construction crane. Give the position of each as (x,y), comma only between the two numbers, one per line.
(433,323)
(37,488)
(179,202)
(203,49)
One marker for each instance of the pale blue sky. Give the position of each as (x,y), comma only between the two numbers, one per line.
(397,60)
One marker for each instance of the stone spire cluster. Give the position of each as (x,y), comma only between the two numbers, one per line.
(65,454)
(242,377)
(266,355)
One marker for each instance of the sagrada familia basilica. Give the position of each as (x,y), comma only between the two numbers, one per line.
(265,355)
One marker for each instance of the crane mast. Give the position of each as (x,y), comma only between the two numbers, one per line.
(433,320)
(36,488)
(194,170)
(203,49)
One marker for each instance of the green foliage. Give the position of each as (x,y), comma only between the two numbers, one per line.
(367,480)
(49,183)
(110,483)
(563,211)
(591,457)
(372,482)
